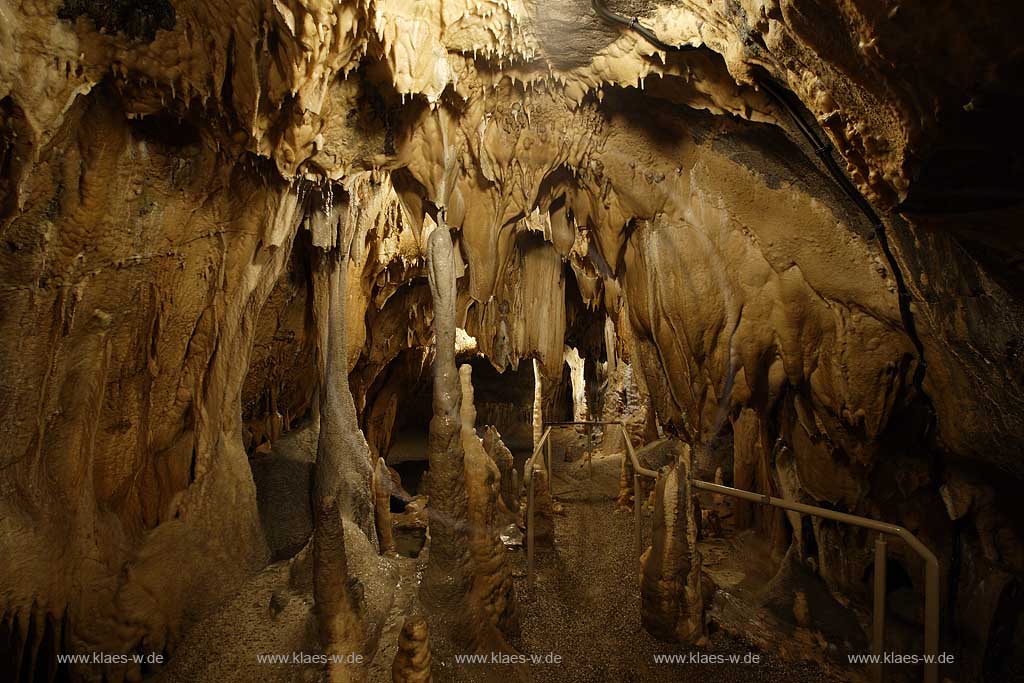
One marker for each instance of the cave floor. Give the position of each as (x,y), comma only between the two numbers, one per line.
(586,602)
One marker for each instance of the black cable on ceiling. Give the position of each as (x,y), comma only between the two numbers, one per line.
(824,151)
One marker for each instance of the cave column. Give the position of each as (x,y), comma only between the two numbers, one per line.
(576,365)
(671,599)
(609,344)
(342,482)
(447,580)
(538,404)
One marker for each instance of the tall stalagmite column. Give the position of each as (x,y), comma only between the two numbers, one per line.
(342,486)
(447,580)
(493,594)
(671,602)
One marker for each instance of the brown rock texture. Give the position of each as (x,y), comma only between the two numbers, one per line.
(493,592)
(449,573)
(672,601)
(382,487)
(204,205)
(413,660)
(507,475)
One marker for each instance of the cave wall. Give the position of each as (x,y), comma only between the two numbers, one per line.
(160,162)
(133,283)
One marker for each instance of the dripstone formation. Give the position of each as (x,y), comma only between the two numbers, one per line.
(257,236)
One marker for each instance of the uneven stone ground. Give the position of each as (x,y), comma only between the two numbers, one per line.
(586,602)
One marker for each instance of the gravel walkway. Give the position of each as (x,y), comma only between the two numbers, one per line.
(586,609)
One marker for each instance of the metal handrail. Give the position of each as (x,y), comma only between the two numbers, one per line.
(931,573)
(638,471)
(545,440)
(931,587)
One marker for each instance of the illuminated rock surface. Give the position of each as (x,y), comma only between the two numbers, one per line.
(214,229)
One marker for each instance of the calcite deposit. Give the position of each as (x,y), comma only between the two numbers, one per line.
(492,594)
(792,223)
(672,600)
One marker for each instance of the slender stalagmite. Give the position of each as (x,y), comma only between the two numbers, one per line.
(671,602)
(341,490)
(413,659)
(493,595)
(446,582)
(502,457)
(382,485)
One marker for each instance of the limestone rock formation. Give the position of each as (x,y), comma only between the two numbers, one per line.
(672,599)
(507,475)
(492,593)
(412,662)
(449,569)
(217,219)
(382,488)
(340,492)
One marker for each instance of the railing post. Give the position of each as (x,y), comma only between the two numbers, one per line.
(590,452)
(547,436)
(637,510)
(529,534)
(878,616)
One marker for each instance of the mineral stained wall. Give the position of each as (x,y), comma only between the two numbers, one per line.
(169,170)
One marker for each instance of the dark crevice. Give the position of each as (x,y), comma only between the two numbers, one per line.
(136,19)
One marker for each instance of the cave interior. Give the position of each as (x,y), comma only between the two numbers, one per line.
(378,334)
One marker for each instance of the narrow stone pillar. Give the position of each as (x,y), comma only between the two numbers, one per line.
(609,344)
(672,604)
(413,659)
(493,593)
(746,455)
(503,459)
(538,404)
(446,582)
(576,364)
(342,484)
(382,486)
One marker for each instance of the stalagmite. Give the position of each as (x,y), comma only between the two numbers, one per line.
(413,660)
(502,457)
(336,479)
(538,403)
(382,486)
(235,237)
(448,577)
(343,466)
(577,376)
(493,593)
(672,602)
